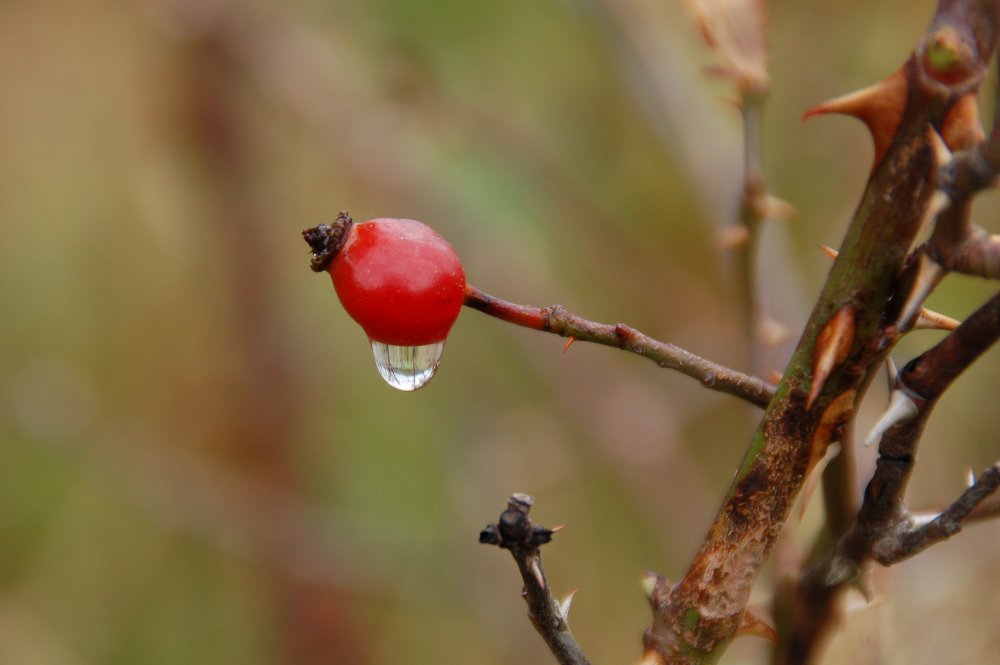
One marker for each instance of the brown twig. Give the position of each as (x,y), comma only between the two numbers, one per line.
(515,533)
(884,530)
(902,546)
(557,320)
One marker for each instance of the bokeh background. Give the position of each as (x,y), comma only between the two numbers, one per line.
(198,461)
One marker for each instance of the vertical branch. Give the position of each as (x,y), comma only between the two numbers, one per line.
(843,340)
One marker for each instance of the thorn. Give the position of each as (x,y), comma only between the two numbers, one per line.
(829,251)
(536,570)
(938,202)
(841,570)
(753,626)
(779,209)
(558,528)
(901,409)
(814,476)
(733,236)
(832,346)
(569,343)
(651,657)
(970,476)
(929,275)
(961,128)
(891,372)
(649,581)
(930,320)
(771,332)
(879,106)
(942,153)
(863,585)
(775,376)
(565,604)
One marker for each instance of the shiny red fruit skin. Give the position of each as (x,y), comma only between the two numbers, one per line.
(401,281)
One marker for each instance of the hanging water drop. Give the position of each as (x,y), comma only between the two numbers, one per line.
(407,367)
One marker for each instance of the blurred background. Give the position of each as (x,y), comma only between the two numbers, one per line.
(198,460)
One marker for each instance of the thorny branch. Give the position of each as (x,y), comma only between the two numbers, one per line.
(515,533)
(947,524)
(557,320)
(884,530)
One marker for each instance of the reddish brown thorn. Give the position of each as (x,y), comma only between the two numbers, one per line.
(734,236)
(829,251)
(880,107)
(778,209)
(832,346)
(753,626)
(961,128)
(569,343)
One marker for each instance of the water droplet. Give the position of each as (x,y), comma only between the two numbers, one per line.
(407,367)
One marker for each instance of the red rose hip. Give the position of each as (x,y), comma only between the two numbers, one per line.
(402,282)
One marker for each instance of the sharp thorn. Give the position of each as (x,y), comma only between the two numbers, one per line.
(891,373)
(829,251)
(962,128)
(832,347)
(814,476)
(901,409)
(879,106)
(753,626)
(779,209)
(565,604)
(536,570)
(942,153)
(733,236)
(928,319)
(929,275)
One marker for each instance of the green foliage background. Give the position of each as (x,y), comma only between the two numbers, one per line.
(198,462)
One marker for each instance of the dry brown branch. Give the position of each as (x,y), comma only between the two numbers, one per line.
(899,546)
(515,533)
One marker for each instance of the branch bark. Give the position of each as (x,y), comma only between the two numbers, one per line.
(557,320)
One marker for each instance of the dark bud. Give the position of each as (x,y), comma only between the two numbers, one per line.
(489,535)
